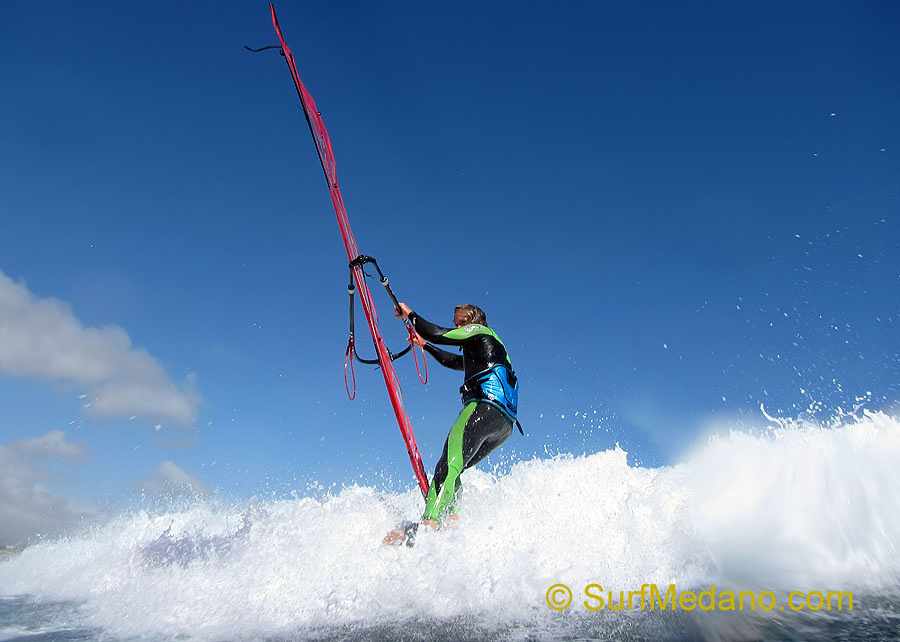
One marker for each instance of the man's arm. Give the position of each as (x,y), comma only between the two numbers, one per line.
(446,359)
(435,333)
(427,331)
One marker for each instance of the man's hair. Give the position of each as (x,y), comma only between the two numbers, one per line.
(472,314)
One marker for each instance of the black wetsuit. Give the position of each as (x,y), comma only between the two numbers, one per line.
(490,395)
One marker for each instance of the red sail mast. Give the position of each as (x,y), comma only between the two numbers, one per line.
(326,156)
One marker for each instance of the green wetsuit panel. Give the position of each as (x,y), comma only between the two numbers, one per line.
(439,502)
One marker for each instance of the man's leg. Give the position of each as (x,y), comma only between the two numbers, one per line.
(446,473)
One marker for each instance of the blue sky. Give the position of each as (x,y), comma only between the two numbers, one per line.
(672,214)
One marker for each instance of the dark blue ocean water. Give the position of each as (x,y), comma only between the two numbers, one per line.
(874,618)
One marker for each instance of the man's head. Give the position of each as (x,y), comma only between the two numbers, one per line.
(467,313)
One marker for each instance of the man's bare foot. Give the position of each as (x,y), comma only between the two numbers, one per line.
(405,534)
(394,537)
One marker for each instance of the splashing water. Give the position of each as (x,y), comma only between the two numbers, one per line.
(795,507)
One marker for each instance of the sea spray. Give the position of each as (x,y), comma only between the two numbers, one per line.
(796,506)
(802,505)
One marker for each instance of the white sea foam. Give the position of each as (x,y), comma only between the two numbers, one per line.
(798,506)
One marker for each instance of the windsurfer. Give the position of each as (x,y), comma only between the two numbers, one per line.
(489,397)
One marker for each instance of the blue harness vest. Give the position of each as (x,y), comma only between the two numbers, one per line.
(497,386)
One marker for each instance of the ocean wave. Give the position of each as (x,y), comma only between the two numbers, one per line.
(796,506)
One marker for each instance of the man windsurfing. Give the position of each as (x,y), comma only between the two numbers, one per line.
(490,399)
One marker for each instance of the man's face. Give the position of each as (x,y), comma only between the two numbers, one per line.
(459,318)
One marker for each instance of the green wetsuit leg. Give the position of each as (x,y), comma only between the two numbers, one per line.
(479,429)
(441,492)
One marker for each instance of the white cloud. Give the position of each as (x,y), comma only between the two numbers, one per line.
(27,507)
(53,444)
(172,481)
(42,339)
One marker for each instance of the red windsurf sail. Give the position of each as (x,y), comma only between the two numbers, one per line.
(326,156)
